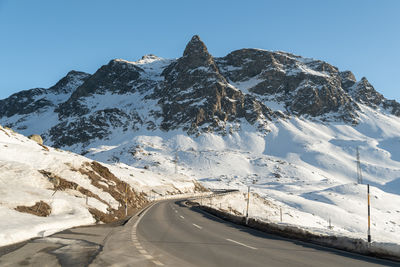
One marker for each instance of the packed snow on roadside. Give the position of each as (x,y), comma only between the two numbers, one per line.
(22,184)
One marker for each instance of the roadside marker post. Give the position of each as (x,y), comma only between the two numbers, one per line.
(247,208)
(126,200)
(369,216)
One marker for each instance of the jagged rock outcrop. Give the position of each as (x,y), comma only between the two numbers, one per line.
(117,77)
(194,93)
(303,86)
(365,93)
(69,83)
(34,100)
(347,79)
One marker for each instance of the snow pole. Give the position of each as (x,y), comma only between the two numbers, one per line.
(126,199)
(248,200)
(369,216)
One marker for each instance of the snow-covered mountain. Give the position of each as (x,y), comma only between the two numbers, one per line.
(289,124)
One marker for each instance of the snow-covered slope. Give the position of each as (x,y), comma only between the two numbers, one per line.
(290,124)
(44,190)
(305,167)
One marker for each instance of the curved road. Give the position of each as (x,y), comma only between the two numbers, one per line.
(170,234)
(174,235)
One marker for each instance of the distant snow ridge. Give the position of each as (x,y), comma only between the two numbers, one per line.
(286,125)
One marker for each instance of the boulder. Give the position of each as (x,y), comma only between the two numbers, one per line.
(37,138)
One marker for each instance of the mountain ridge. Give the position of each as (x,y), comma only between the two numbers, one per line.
(197,93)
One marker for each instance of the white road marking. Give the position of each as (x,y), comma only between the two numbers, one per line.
(158,263)
(137,243)
(198,226)
(240,244)
(181,216)
(176,211)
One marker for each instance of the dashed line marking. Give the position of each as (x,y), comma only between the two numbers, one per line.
(158,263)
(181,216)
(176,211)
(136,242)
(244,245)
(198,226)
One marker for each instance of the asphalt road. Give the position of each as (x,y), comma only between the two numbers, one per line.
(171,234)
(170,231)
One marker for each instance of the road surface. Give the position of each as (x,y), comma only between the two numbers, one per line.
(171,234)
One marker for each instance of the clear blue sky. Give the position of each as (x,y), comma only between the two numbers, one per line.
(40,41)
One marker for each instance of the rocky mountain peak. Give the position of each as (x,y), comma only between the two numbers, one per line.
(148,59)
(365,93)
(70,82)
(40,99)
(149,56)
(195,47)
(116,77)
(198,97)
(197,55)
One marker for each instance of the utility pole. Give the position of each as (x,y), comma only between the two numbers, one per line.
(369,217)
(359,174)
